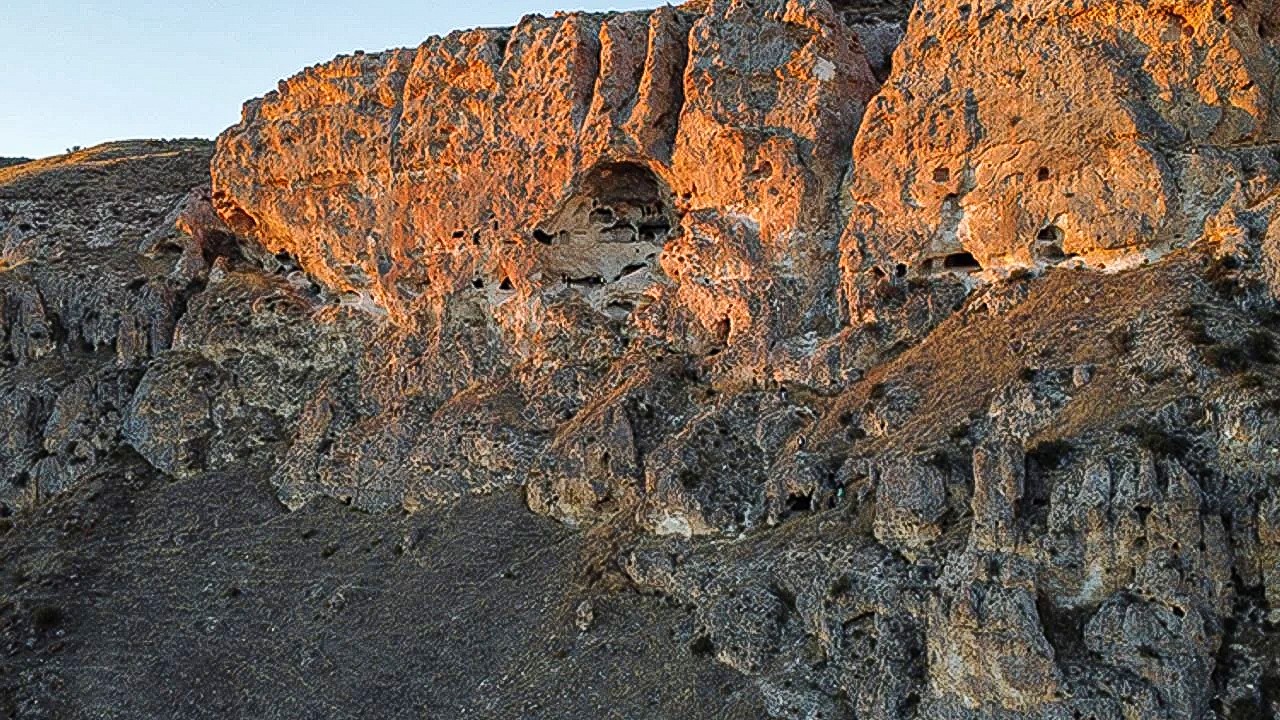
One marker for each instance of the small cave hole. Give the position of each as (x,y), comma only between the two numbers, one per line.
(1043,174)
(961,261)
(941,175)
(632,269)
(654,233)
(799,504)
(900,270)
(506,285)
(1049,234)
(702,646)
(477,284)
(542,236)
(459,234)
(602,216)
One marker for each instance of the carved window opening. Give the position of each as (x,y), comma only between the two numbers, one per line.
(604,242)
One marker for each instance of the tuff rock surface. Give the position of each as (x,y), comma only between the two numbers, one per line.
(738,359)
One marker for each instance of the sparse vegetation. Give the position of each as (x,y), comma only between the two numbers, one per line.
(1222,275)
(13,257)
(1227,359)
(1121,340)
(1260,347)
(1158,440)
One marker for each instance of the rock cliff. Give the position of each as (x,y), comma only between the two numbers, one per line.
(738,359)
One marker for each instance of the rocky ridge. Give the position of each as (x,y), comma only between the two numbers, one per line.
(892,364)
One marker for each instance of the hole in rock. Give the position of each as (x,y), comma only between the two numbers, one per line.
(1050,234)
(505,285)
(799,503)
(1043,174)
(961,261)
(941,175)
(1048,247)
(611,229)
(702,645)
(477,284)
(631,269)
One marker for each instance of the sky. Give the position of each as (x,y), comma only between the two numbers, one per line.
(81,73)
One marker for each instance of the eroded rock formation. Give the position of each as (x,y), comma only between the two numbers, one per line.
(876,360)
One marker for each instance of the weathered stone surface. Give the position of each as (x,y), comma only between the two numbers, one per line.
(1026,134)
(509,159)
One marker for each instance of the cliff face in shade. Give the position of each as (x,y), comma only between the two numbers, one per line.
(740,359)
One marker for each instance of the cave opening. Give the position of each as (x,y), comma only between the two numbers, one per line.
(1048,246)
(605,240)
(961,261)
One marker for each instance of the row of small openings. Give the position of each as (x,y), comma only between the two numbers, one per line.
(943,175)
(504,284)
(650,233)
(899,270)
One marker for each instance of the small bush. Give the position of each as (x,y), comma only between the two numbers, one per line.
(1252,381)
(890,293)
(1121,340)
(1222,276)
(1158,440)
(1230,360)
(1261,347)
(46,617)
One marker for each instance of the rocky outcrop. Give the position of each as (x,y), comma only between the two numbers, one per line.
(935,382)
(559,157)
(1096,134)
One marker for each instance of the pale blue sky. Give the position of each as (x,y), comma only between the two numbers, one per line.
(80,73)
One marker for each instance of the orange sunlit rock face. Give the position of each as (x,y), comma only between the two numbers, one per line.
(1028,133)
(410,176)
